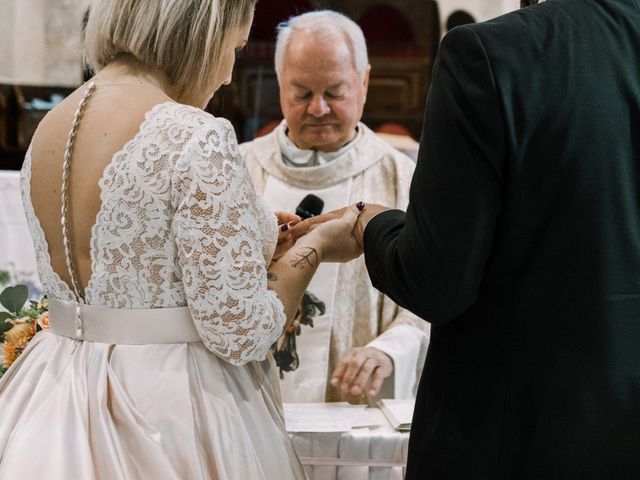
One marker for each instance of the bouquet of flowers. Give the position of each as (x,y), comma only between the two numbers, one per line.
(19,323)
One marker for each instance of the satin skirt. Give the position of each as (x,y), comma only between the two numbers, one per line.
(74,409)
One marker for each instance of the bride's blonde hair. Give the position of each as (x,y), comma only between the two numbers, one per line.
(183,38)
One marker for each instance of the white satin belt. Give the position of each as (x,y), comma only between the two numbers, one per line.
(124,326)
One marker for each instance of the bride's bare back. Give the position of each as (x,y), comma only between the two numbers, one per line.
(112,116)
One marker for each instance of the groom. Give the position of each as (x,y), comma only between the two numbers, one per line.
(521,245)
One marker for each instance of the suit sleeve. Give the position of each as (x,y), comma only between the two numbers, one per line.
(431,259)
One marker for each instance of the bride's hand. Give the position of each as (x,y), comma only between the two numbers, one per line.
(286,221)
(335,236)
(286,217)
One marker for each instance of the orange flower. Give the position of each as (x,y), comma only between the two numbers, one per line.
(16,340)
(43,320)
(19,332)
(8,354)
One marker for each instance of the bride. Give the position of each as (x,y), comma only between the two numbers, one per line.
(156,255)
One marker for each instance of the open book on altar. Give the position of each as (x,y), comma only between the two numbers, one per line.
(398,412)
(325,417)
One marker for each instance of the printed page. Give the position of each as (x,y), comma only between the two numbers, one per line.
(323,417)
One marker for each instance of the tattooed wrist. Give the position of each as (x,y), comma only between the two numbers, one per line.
(304,257)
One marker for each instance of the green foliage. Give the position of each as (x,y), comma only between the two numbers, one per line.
(4,325)
(5,277)
(14,298)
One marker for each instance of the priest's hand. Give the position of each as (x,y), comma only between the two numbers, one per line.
(362,367)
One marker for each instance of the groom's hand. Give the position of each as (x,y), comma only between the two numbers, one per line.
(360,367)
(370,210)
(302,228)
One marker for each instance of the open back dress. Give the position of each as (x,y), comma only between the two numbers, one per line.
(160,367)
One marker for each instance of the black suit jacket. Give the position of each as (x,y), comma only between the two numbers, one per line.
(521,245)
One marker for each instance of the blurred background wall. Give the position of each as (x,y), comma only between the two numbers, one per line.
(41,61)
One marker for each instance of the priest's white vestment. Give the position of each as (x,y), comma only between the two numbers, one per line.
(349,311)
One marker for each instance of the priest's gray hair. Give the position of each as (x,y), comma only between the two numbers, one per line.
(324,22)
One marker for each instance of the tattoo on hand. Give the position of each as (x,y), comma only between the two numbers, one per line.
(309,256)
(272,277)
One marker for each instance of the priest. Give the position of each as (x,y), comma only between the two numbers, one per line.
(344,326)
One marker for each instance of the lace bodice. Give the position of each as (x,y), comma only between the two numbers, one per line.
(180,224)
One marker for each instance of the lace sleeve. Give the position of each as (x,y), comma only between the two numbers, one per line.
(219,248)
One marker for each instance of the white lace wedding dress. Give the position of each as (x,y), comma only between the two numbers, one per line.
(180,225)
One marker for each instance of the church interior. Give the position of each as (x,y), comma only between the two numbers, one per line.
(41,63)
(294,229)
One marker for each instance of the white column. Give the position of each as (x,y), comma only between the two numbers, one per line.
(7,14)
(40,42)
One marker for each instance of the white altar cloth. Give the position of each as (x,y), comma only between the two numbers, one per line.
(375,453)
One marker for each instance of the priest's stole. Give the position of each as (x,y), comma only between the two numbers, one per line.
(308,382)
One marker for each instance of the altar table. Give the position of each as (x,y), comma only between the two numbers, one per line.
(371,453)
